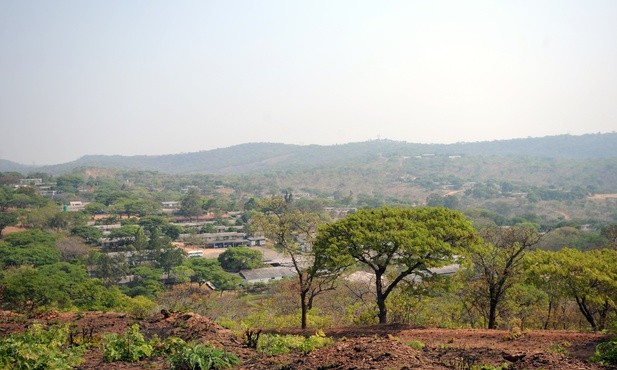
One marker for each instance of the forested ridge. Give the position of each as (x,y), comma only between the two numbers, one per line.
(265,157)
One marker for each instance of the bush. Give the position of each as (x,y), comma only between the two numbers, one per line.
(606,353)
(40,348)
(202,357)
(130,346)
(274,344)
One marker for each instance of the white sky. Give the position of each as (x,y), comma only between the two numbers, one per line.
(159,77)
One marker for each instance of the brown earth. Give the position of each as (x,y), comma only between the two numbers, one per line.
(358,347)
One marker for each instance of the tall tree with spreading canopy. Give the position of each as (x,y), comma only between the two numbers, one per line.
(293,231)
(398,242)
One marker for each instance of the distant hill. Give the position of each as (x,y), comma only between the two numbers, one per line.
(264,157)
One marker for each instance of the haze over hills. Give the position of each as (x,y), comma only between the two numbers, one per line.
(263,157)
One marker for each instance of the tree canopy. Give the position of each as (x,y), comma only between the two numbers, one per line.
(398,241)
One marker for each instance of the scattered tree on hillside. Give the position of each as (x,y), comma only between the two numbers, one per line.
(293,232)
(398,242)
(497,266)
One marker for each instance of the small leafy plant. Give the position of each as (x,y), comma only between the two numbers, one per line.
(274,344)
(130,346)
(202,357)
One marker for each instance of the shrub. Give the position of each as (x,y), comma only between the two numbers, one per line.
(130,346)
(606,353)
(40,348)
(274,344)
(202,357)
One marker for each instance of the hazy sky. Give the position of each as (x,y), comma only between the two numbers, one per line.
(160,77)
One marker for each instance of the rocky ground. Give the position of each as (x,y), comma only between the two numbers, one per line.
(358,347)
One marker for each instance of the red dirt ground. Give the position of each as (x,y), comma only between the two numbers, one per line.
(358,347)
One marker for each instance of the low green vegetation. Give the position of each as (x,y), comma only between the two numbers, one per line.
(202,357)
(130,346)
(606,353)
(275,344)
(40,349)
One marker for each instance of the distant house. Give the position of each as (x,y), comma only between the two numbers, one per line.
(170,205)
(31,182)
(257,241)
(267,274)
(220,240)
(75,206)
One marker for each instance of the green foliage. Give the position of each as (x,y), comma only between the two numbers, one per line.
(62,285)
(40,349)
(560,348)
(589,278)
(206,269)
(240,258)
(7,219)
(275,344)
(191,204)
(89,233)
(416,344)
(138,307)
(606,353)
(146,282)
(400,241)
(202,357)
(130,346)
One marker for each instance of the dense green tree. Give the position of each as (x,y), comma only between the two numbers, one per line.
(610,233)
(32,247)
(169,257)
(69,183)
(95,208)
(7,219)
(61,285)
(90,234)
(110,267)
(146,282)
(398,241)
(191,204)
(207,269)
(135,206)
(6,197)
(23,288)
(590,278)
(240,258)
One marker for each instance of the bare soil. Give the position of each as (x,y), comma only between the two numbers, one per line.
(357,347)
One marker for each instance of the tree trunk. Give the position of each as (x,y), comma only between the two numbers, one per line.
(548,317)
(492,314)
(383,311)
(582,305)
(381,299)
(304,308)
